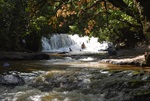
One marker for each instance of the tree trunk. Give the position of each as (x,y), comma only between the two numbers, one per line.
(18,24)
(144,8)
(147,58)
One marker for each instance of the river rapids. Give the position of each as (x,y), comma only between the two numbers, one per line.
(74,80)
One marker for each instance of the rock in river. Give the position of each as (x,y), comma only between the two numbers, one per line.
(11,80)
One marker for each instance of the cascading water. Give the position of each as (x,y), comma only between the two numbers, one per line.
(44,81)
(67,43)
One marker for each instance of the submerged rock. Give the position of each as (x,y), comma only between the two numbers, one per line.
(6,64)
(11,80)
(112,51)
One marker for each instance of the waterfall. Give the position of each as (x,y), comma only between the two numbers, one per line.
(67,43)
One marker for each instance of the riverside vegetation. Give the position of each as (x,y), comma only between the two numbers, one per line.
(62,77)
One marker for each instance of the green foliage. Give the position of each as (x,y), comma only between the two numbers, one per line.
(118,20)
(13,26)
(33,19)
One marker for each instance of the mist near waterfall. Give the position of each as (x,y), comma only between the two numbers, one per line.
(72,43)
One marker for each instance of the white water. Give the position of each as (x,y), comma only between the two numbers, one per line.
(67,73)
(36,95)
(64,42)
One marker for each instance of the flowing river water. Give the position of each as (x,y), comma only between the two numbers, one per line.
(72,79)
(69,79)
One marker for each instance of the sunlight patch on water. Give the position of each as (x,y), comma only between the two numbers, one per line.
(87,59)
(55,73)
(36,95)
(20,95)
(71,96)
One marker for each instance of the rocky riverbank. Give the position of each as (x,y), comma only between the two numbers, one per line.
(15,56)
(128,56)
(137,61)
(123,56)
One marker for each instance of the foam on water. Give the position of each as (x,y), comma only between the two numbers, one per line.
(67,43)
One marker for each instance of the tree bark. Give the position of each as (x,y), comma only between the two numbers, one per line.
(147,58)
(144,8)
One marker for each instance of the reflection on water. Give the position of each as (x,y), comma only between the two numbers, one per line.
(72,80)
(28,66)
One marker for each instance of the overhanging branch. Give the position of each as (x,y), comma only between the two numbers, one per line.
(122,6)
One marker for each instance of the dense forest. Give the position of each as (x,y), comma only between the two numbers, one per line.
(118,21)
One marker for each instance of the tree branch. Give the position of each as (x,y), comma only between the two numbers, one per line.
(123,7)
(95,3)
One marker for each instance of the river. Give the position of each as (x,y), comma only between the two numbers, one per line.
(69,79)
(72,77)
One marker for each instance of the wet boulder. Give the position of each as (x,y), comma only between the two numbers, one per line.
(5,64)
(108,46)
(112,51)
(11,80)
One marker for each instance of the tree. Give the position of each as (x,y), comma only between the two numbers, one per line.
(143,9)
(14,23)
(106,19)
(101,18)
